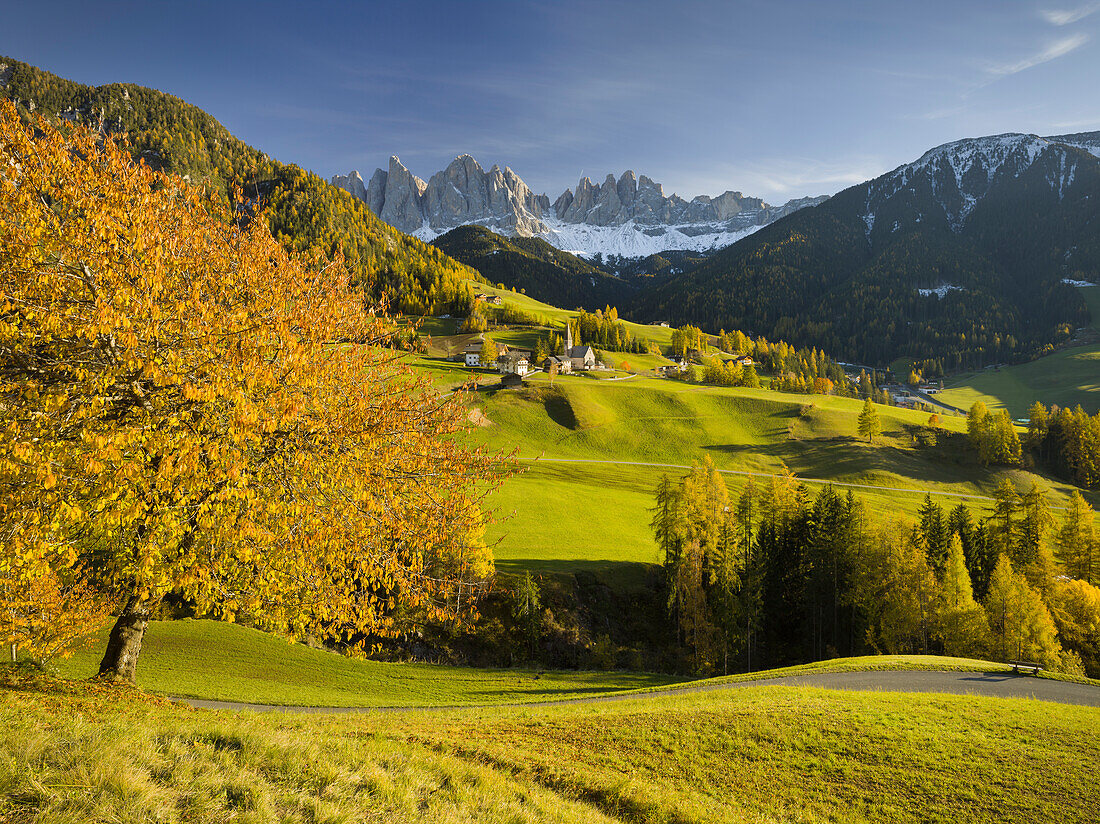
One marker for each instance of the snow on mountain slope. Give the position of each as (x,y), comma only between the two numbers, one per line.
(1089,141)
(955,177)
(628,240)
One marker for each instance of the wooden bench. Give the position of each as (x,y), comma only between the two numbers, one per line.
(1025,666)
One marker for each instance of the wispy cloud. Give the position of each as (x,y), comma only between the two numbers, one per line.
(935,114)
(1063,17)
(1089,123)
(779,178)
(1059,48)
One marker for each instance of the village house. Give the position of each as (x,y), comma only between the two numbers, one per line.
(745,360)
(514,363)
(472,354)
(678,365)
(564,364)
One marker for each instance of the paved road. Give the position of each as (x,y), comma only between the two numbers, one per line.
(990,684)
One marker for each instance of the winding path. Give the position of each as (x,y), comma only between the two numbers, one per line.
(987,684)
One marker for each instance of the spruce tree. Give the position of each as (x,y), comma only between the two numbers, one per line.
(1002,524)
(1032,555)
(934,533)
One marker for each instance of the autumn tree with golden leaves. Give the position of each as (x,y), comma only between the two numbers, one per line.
(185,408)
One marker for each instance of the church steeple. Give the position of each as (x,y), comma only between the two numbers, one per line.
(568,338)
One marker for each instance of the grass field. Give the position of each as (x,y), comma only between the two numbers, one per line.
(79,752)
(568,511)
(582,501)
(1068,377)
(219,661)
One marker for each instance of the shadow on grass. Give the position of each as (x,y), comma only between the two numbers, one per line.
(845,459)
(622,575)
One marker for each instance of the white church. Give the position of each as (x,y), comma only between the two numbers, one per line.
(575,358)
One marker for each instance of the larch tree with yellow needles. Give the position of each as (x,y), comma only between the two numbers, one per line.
(185,408)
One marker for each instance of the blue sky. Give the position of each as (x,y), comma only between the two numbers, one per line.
(776,99)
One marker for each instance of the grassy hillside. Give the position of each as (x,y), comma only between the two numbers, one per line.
(1068,377)
(594,447)
(582,505)
(71,752)
(214,660)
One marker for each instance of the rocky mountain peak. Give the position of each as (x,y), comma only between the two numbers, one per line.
(352,183)
(499,199)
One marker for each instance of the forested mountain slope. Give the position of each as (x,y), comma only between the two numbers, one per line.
(304,211)
(532,264)
(959,256)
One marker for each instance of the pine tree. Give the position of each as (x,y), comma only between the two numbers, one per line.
(526,609)
(868,424)
(748,596)
(664,522)
(934,533)
(1002,523)
(1032,555)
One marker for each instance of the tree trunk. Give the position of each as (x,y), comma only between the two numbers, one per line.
(124,645)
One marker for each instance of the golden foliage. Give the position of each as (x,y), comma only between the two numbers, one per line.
(191,409)
(47,616)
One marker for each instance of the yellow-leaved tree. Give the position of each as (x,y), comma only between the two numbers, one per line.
(186,408)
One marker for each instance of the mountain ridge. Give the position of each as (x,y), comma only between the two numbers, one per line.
(959,255)
(303,211)
(628,217)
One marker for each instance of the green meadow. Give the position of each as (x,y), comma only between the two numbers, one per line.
(220,661)
(592,446)
(72,751)
(1068,377)
(593,450)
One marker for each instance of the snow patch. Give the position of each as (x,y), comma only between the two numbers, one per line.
(1092,146)
(940,291)
(1078,283)
(628,240)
